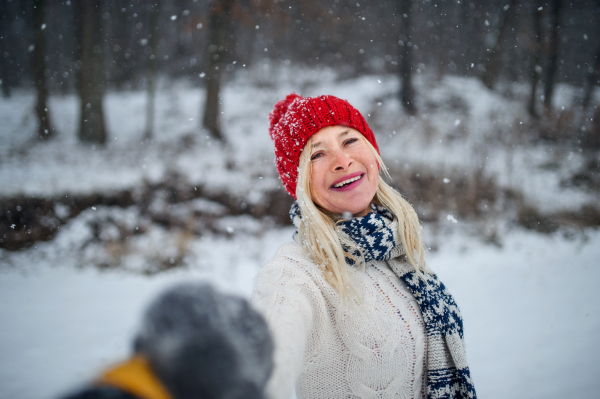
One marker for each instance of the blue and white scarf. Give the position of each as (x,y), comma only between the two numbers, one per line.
(376,235)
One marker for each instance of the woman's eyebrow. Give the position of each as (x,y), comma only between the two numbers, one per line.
(340,135)
(343,133)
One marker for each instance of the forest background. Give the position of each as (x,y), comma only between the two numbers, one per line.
(90,48)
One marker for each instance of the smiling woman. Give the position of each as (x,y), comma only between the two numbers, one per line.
(353,309)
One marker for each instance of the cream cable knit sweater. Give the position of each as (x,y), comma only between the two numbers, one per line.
(328,351)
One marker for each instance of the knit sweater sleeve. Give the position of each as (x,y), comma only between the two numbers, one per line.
(290,300)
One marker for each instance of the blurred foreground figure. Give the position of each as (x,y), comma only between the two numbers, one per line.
(194,343)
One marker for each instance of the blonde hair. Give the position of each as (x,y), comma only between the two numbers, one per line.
(319,235)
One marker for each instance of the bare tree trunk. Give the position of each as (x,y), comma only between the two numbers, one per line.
(177,24)
(552,54)
(463,36)
(494,63)
(91,80)
(122,35)
(4,76)
(153,43)
(219,40)
(38,64)
(536,69)
(593,79)
(407,93)
(594,75)
(5,20)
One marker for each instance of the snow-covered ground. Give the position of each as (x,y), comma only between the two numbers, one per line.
(531,311)
(69,306)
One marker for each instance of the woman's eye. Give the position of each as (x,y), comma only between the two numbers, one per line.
(315,156)
(350,141)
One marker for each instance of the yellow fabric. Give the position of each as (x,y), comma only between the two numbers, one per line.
(136,377)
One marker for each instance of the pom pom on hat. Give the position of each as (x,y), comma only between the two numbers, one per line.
(295,119)
(279,110)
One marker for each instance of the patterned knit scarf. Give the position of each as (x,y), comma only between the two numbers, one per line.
(376,235)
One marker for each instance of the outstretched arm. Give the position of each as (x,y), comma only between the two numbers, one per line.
(286,296)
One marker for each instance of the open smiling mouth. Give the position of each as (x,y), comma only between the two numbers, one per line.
(347,181)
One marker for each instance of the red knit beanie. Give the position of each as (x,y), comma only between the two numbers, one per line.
(296,118)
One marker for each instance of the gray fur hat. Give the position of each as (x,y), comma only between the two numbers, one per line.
(205,344)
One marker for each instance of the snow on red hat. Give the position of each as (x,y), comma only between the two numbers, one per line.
(296,118)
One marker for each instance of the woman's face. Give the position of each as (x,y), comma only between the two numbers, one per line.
(344,171)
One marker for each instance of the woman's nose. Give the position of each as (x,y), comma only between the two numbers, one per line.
(341,160)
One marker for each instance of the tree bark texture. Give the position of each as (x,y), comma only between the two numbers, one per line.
(38,67)
(494,62)
(220,27)
(91,70)
(552,50)
(536,69)
(407,92)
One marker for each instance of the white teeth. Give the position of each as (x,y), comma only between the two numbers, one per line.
(347,181)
